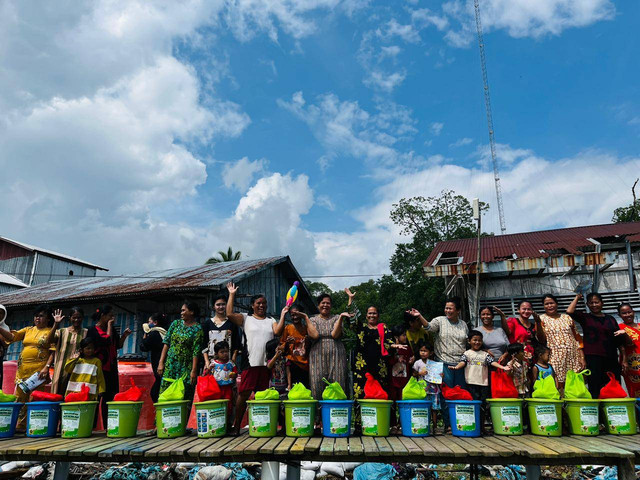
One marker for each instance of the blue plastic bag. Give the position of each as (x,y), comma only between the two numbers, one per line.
(374,471)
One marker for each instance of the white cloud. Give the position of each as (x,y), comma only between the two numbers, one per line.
(393,28)
(423,17)
(436,128)
(461,142)
(240,174)
(385,81)
(326,202)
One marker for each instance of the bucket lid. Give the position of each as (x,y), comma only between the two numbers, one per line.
(172,403)
(211,402)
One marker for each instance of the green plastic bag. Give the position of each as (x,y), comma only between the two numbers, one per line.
(174,392)
(300,392)
(268,394)
(546,388)
(414,389)
(333,391)
(575,387)
(6,398)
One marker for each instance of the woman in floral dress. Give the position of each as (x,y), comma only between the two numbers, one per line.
(631,357)
(182,348)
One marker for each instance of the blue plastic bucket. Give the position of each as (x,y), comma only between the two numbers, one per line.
(9,412)
(336,417)
(42,419)
(465,417)
(415,417)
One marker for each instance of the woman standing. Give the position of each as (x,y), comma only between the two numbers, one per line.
(67,342)
(494,338)
(327,355)
(181,350)
(258,330)
(601,344)
(631,358)
(522,329)
(217,329)
(152,342)
(36,356)
(107,342)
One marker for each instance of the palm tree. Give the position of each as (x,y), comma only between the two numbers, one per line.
(228,256)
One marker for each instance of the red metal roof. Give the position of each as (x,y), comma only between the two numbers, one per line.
(537,244)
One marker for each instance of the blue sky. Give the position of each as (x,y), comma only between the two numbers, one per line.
(150,135)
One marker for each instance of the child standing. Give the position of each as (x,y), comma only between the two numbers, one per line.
(519,368)
(295,341)
(85,368)
(541,367)
(420,369)
(401,363)
(224,371)
(276,365)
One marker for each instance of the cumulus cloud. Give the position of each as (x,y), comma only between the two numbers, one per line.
(240,174)
(461,142)
(436,128)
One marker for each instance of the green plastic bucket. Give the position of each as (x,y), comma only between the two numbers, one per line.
(212,418)
(77,419)
(171,418)
(376,417)
(620,415)
(122,419)
(263,418)
(583,414)
(506,415)
(299,417)
(545,416)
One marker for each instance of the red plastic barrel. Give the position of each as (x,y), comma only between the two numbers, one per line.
(142,375)
(9,369)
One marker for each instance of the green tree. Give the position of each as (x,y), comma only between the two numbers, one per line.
(228,256)
(316,288)
(630,213)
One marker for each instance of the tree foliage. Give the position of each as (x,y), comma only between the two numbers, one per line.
(630,213)
(228,256)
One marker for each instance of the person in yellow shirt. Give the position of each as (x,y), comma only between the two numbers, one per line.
(85,368)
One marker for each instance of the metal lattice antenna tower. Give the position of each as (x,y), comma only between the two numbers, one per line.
(487,102)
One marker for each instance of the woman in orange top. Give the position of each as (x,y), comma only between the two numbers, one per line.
(631,356)
(296,347)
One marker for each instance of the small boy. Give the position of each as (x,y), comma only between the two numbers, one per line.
(519,368)
(224,371)
(277,365)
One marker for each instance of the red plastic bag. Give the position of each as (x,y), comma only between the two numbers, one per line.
(39,396)
(81,396)
(208,388)
(502,385)
(373,390)
(455,393)
(613,389)
(134,394)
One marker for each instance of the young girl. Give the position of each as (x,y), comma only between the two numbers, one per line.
(85,368)
(519,368)
(401,362)
(224,371)
(276,365)
(434,392)
(541,367)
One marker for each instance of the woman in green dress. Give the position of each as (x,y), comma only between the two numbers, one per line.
(182,349)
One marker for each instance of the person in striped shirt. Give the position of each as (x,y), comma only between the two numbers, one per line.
(85,368)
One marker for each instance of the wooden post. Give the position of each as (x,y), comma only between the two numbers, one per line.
(477,215)
(626,469)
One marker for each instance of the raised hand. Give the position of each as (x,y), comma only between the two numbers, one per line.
(413,312)
(126,333)
(349,293)
(58,316)
(232,288)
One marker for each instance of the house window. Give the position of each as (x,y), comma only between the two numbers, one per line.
(449,258)
(71,273)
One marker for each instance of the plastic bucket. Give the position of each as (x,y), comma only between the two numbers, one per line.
(336,417)
(42,419)
(263,417)
(506,415)
(9,412)
(212,418)
(122,419)
(299,417)
(465,417)
(376,417)
(77,419)
(545,416)
(415,417)
(171,418)
(583,414)
(620,415)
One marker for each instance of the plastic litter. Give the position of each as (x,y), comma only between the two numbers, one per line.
(374,471)
(215,472)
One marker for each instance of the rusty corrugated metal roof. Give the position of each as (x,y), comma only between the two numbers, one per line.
(161,281)
(543,244)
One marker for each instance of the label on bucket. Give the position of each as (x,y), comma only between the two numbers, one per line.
(301,420)
(70,422)
(171,420)
(212,422)
(420,421)
(260,419)
(465,418)
(5,419)
(38,422)
(589,419)
(339,420)
(113,422)
(369,420)
(547,418)
(618,417)
(511,419)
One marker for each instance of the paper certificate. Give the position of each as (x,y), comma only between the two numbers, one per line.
(434,372)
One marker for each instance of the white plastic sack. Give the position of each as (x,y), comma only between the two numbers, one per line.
(307,475)
(315,466)
(332,468)
(215,472)
(350,466)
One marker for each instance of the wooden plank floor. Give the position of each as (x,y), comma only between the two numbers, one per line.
(525,449)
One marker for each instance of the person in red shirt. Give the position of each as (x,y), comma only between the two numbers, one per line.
(401,363)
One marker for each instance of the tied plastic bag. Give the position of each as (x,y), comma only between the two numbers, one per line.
(546,388)
(268,394)
(455,393)
(612,389)
(208,388)
(81,396)
(174,392)
(300,392)
(502,385)
(39,396)
(6,398)
(333,391)
(414,389)
(134,394)
(574,386)
(373,390)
